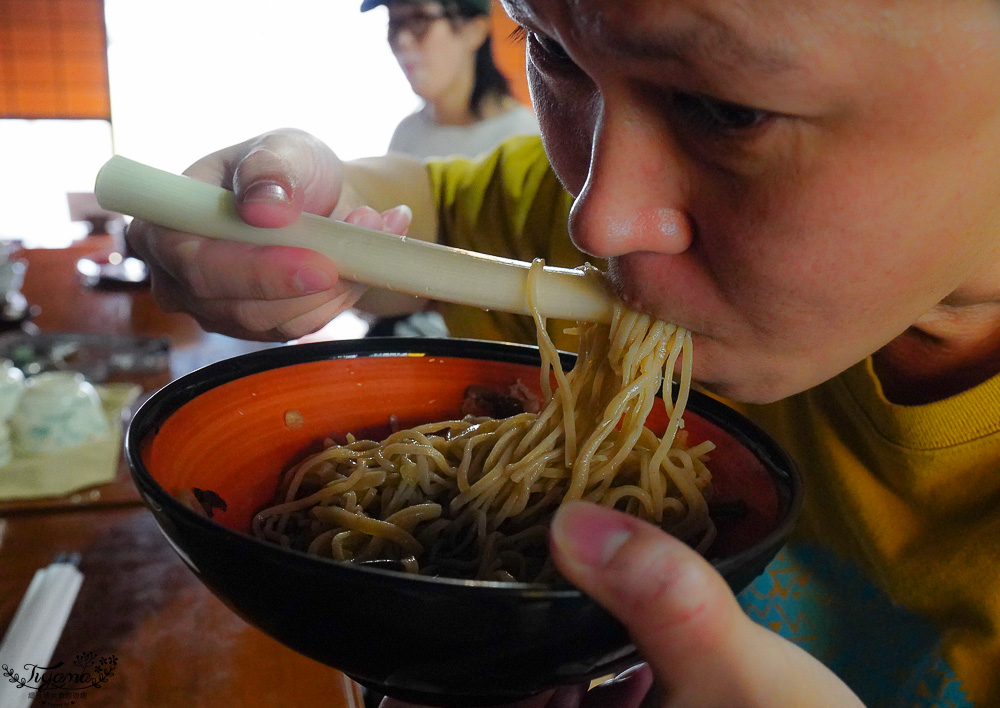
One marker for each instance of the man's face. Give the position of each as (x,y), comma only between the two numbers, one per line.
(795,181)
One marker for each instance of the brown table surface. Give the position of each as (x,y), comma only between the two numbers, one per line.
(176,644)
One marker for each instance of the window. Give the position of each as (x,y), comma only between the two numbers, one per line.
(188,77)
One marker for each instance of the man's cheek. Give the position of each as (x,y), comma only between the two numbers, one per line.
(567,133)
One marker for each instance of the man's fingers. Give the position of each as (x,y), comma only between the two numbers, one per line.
(269,320)
(365,217)
(285,171)
(396,220)
(703,650)
(219,269)
(275,176)
(678,610)
(315,319)
(277,321)
(269,190)
(630,567)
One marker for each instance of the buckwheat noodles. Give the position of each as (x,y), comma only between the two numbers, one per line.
(472,498)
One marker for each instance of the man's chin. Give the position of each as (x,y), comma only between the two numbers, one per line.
(738,377)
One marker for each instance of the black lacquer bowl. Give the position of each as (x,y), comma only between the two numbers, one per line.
(235,426)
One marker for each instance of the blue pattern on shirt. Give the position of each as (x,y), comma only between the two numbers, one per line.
(890,657)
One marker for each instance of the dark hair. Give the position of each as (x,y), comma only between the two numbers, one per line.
(488,82)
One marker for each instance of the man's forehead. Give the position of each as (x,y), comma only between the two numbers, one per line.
(531,8)
(678,30)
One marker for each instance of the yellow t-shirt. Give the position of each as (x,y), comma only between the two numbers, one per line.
(893,574)
(892,577)
(507,205)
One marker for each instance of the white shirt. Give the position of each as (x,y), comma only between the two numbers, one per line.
(418,136)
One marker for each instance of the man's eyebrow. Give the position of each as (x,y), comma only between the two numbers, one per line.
(713,43)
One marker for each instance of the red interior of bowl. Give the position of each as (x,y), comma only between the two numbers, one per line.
(238,438)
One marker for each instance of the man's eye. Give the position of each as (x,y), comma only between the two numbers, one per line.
(715,116)
(545,48)
(551,48)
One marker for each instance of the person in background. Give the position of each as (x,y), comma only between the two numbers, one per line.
(445,50)
(808,186)
(446,53)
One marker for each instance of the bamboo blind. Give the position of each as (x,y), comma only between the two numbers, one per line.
(53,59)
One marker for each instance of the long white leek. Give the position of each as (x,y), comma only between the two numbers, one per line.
(375,258)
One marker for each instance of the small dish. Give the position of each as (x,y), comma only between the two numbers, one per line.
(58,410)
(11,388)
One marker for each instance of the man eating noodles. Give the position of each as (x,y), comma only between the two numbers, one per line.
(809,187)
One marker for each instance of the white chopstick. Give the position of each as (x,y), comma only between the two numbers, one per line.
(375,258)
(36,628)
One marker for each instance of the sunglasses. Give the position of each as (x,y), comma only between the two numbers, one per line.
(418,24)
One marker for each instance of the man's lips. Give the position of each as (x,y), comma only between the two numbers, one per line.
(625,283)
(637,281)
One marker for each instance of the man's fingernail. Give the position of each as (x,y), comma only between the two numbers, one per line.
(266,193)
(402,211)
(312,280)
(588,533)
(366,217)
(398,218)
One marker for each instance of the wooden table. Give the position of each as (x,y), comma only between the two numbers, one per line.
(175,643)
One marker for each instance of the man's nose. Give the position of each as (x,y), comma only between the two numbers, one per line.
(635,194)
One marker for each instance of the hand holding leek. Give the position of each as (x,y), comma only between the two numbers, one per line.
(284,293)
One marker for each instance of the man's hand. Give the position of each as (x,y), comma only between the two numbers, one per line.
(262,292)
(701,649)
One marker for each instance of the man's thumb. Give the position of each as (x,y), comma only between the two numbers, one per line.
(677,608)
